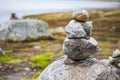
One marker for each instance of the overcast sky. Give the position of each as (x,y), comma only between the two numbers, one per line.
(42,4)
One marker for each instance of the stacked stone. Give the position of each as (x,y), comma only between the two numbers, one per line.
(79,44)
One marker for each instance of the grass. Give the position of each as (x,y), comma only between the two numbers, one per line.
(105,23)
(13,61)
(30,45)
(8,52)
(33,77)
(41,60)
(1,78)
(7,57)
(36,75)
(10,58)
(19,69)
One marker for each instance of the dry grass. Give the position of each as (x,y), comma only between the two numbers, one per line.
(106,26)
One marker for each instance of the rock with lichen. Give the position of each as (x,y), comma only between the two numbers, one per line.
(90,69)
(2,52)
(79,45)
(20,30)
(79,49)
(77,64)
(78,30)
(115,59)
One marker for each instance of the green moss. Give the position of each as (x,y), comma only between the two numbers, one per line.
(13,61)
(30,45)
(5,58)
(10,58)
(19,69)
(34,77)
(1,78)
(2,42)
(106,47)
(115,61)
(105,44)
(41,60)
(8,52)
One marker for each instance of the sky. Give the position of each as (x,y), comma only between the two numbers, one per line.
(43,4)
(28,7)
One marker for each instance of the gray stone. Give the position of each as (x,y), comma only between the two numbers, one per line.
(90,69)
(107,75)
(77,29)
(116,53)
(115,59)
(80,15)
(78,49)
(2,52)
(19,30)
(69,61)
(119,65)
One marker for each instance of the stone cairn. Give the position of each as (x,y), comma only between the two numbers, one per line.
(13,16)
(79,44)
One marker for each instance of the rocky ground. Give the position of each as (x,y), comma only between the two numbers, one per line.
(20,55)
(17,63)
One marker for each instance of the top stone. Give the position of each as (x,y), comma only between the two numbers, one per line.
(80,15)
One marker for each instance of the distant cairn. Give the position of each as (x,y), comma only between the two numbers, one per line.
(13,16)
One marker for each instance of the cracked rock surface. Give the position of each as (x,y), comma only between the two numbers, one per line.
(90,69)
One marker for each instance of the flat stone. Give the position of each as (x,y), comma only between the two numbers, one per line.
(77,29)
(80,15)
(78,49)
(69,61)
(90,69)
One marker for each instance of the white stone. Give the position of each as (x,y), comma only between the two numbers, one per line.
(2,52)
(59,30)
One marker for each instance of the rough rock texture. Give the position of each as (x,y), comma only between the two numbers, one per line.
(90,69)
(116,53)
(19,30)
(78,49)
(2,52)
(115,59)
(80,15)
(77,29)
